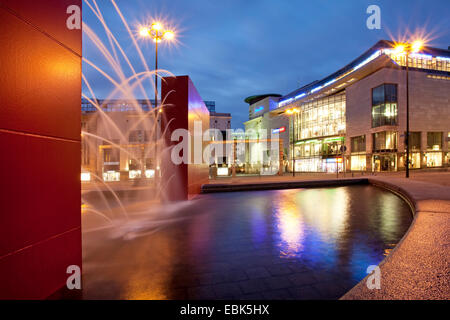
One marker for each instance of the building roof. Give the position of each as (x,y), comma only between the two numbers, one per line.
(256,98)
(363,59)
(220,114)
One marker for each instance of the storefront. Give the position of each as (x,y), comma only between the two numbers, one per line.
(433,159)
(358,162)
(318,164)
(384,162)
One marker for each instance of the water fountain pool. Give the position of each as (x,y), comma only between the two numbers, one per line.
(299,243)
(279,244)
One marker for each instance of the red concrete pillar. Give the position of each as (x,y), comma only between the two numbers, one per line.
(40,94)
(182,107)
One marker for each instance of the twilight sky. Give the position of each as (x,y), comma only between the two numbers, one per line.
(233,49)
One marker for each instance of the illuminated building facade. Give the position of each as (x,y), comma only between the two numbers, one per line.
(118,152)
(261,126)
(355,119)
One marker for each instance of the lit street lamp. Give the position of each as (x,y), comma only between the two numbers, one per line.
(293,111)
(157,33)
(400,49)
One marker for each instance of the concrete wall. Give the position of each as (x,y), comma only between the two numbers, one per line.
(40,92)
(220,121)
(429,103)
(184,107)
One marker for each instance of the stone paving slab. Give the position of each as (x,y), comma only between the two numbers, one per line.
(419,266)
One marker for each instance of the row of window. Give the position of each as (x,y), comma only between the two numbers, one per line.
(319,118)
(422,61)
(387,141)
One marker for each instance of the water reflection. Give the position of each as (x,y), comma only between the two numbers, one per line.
(289,222)
(331,234)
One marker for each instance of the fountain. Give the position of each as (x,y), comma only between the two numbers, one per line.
(127,171)
(144,237)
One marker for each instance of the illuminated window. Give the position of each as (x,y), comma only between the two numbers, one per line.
(434,159)
(384,141)
(358,163)
(434,141)
(384,105)
(321,118)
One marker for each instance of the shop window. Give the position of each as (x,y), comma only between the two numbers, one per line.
(434,159)
(358,162)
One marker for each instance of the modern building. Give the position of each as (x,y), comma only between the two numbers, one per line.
(263,126)
(119,141)
(355,118)
(218,120)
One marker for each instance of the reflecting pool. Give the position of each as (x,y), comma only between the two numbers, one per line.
(278,244)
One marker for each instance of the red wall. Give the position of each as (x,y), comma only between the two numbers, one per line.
(183,106)
(40,99)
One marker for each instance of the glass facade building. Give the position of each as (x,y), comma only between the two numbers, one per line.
(321,140)
(318,130)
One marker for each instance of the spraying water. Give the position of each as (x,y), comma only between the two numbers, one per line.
(121,140)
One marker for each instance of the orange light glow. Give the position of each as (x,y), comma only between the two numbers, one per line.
(292,111)
(417,45)
(144,32)
(157,26)
(169,35)
(399,49)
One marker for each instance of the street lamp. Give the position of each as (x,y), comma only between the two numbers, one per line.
(156,32)
(292,111)
(406,49)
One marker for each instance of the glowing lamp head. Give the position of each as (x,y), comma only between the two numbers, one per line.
(144,32)
(169,35)
(157,26)
(399,49)
(416,46)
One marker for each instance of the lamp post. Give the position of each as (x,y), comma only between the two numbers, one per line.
(156,32)
(407,49)
(293,111)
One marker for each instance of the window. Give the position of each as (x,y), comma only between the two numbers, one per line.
(385,141)
(358,144)
(434,141)
(139,136)
(384,105)
(358,163)
(414,141)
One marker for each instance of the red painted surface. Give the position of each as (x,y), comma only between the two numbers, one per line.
(40,94)
(183,105)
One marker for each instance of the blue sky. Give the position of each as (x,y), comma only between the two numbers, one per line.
(233,49)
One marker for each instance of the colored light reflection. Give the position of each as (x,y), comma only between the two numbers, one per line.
(290,225)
